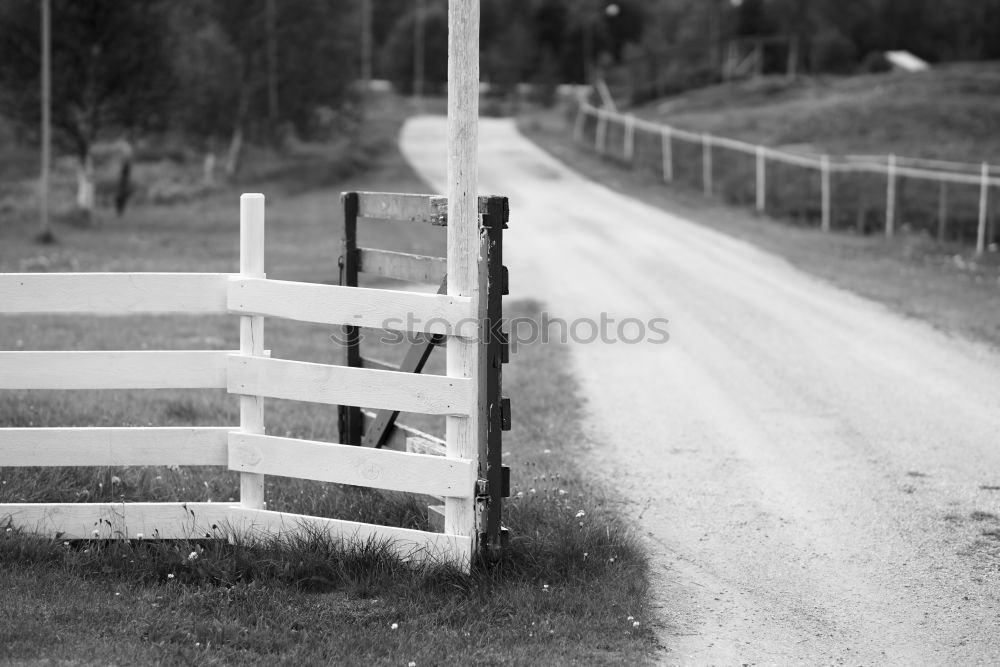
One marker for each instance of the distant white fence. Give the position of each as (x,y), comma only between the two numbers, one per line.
(252,375)
(836,191)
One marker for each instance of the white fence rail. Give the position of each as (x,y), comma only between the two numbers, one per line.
(837,191)
(252,375)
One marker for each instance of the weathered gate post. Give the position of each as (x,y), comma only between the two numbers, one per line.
(465,436)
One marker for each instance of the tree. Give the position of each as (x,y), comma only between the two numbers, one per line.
(224,52)
(110,72)
(397,55)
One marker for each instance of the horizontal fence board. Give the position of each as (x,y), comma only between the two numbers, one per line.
(79,521)
(402,266)
(114,446)
(357,306)
(174,369)
(343,385)
(403,207)
(113,293)
(414,546)
(346,464)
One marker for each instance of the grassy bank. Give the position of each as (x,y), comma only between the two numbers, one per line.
(571,590)
(914,274)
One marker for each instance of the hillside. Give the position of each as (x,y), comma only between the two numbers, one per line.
(952,112)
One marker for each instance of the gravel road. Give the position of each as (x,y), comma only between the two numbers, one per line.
(818,477)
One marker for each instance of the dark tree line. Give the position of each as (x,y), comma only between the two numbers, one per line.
(558,40)
(221,68)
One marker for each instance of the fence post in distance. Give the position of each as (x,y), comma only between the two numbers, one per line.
(890,196)
(629,148)
(706,163)
(825,191)
(761,180)
(984,197)
(667,149)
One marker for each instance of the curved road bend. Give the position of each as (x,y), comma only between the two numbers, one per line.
(806,464)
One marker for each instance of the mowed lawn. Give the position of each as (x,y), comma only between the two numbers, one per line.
(571,590)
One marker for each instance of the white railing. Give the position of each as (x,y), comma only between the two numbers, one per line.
(252,375)
(661,154)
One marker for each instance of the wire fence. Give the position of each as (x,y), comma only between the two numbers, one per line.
(950,201)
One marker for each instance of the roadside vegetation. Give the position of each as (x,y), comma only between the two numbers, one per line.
(571,589)
(945,113)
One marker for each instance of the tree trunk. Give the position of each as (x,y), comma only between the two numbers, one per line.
(236,143)
(85,189)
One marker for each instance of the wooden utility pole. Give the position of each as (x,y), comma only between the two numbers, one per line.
(366,45)
(466,436)
(270,17)
(45,233)
(419,33)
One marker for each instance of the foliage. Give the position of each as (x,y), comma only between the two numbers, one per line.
(110,67)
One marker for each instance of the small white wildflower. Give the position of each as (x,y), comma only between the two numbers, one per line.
(562,492)
(197,643)
(520,494)
(636,624)
(545,587)
(394,626)
(95,532)
(193,556)
(115,479)
(10,530)
(65,544)
(531,491)
(411,663)
(170,576)
(611,560)
(117,594)
(585,554)
(581,514)
(546,451)
(631,618)
(138,536)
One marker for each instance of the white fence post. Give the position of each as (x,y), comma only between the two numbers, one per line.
(667,149)
(706,163)
(824,166)
(984,191)
(465,435)
(578,125)
(629,148)
(600,136)
(252,336)
(890,196)
(761,180)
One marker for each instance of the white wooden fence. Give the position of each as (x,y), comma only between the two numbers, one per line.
(252,375)
(661,143)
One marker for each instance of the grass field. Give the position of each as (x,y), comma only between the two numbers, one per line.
(942,283)
(571,590)
(946,113)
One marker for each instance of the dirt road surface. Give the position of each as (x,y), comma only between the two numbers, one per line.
(818,477)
